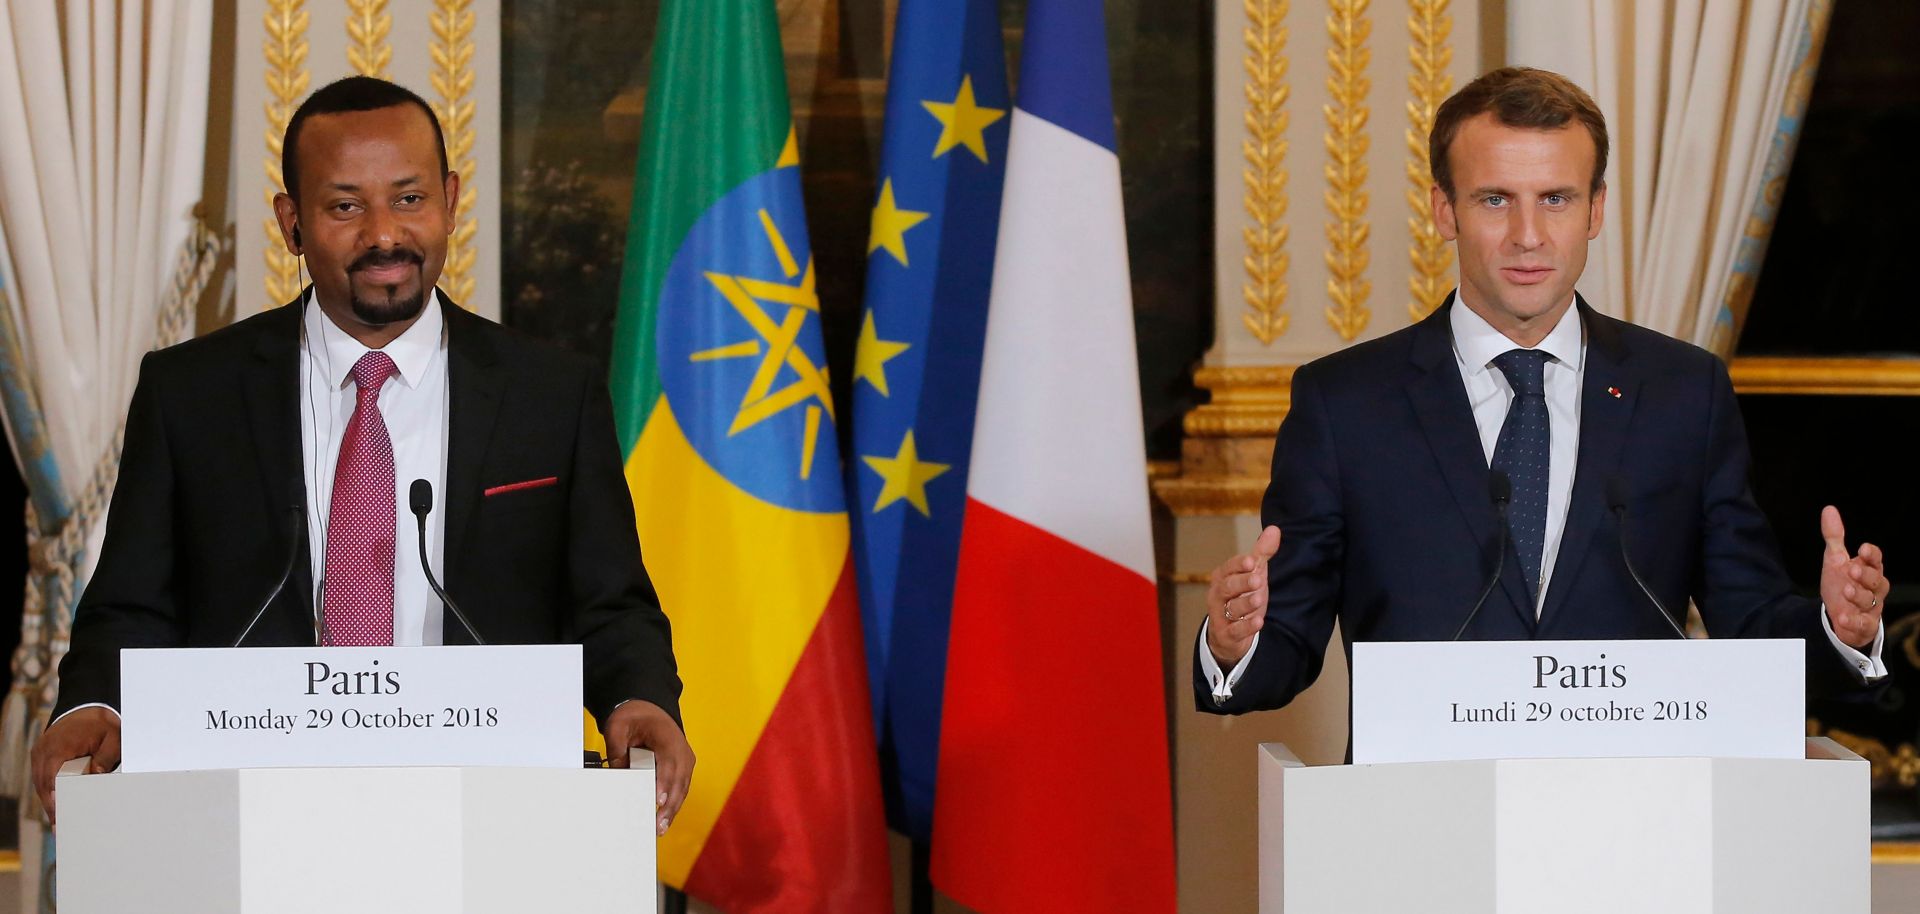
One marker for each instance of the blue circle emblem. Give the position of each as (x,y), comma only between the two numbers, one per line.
(742,357)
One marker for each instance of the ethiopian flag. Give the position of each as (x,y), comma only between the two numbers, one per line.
(720,394)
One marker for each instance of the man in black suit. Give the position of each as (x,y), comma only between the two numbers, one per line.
(1395,452)
(292,435)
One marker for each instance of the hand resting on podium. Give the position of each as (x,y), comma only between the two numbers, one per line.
(643,725)
(85,733)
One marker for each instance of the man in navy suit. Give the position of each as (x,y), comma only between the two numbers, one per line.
(1400,457)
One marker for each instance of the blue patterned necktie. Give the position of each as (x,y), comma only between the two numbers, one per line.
(1522,453)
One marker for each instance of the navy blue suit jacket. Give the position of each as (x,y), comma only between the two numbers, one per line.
(1380,490)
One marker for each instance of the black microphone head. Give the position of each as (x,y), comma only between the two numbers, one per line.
(420,497)
(1499,487)
(1616,493)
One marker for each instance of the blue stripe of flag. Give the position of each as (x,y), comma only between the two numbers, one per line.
(1063,68)
(937,305)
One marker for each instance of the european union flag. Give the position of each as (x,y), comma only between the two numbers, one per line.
(917,369)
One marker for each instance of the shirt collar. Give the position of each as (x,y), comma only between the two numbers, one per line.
(1477,343)
(412,352)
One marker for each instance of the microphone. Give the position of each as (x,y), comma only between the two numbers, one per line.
(1617,503)
(296,532)
(420,501)
(1500,490)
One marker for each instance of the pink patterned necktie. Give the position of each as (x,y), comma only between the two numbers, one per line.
(360,520)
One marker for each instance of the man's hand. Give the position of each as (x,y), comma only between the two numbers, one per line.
(643,724)
(1237,600)
(1853,587)
(88,731)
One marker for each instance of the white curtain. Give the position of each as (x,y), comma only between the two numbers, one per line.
(103,116)
(1703,99)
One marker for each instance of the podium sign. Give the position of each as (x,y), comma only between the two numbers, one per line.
(1448,701)
(186,709)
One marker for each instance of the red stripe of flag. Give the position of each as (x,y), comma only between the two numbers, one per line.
(785,791)
(1054,791)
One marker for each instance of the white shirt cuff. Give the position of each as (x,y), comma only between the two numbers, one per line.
(1222,685)
(1868,664)
(91,704)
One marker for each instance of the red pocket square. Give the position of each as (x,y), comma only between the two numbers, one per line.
(517,486)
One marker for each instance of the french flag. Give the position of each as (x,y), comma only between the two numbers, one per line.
(1053,790)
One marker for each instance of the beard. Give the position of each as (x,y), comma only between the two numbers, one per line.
(389,309)
(384,304)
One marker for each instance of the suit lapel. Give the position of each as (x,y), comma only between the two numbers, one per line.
(271,392)
(474,394)
(1608,391)
(1439,399)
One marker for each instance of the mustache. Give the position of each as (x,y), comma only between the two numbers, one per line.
(376,259)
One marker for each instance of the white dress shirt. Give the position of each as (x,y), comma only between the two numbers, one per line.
(1475,345)
(413,402)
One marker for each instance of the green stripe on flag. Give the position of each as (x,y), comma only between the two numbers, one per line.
(714,117)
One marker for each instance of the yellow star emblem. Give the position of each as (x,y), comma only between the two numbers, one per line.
(906,477)
(871,355)
(890,224)
(762,401)
(963,123)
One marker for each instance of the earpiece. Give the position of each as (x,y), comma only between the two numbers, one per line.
(296,236)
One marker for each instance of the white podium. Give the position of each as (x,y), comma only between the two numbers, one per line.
(416,840)
(1648,835)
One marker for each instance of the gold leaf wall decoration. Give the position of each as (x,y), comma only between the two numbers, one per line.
(1265,174)
(1431,54)
(1347,142)
(367,26)
(285,49)
(453,75)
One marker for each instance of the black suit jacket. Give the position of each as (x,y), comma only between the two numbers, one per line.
(1380,490)
(200,526)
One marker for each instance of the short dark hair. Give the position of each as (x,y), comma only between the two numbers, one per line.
(355,93)
(1517,97)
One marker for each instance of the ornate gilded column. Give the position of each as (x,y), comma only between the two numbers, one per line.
(448,51)
(1324,104)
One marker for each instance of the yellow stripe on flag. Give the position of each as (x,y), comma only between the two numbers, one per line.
(744,583)
(590,738)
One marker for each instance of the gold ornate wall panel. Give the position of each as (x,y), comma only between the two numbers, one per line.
(1347,111)
(448,51)
(1301,87)
(1430,51)
(1281,62)
(1264,173)
(285,80)
(368,25)
(453,77)
(1885,377)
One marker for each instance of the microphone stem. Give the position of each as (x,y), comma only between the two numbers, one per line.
(1626,558)
(1499,567)
(447,601)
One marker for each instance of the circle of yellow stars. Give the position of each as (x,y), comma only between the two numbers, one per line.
(963,124)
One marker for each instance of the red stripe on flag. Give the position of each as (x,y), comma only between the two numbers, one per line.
(1053,789)
(804,829)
